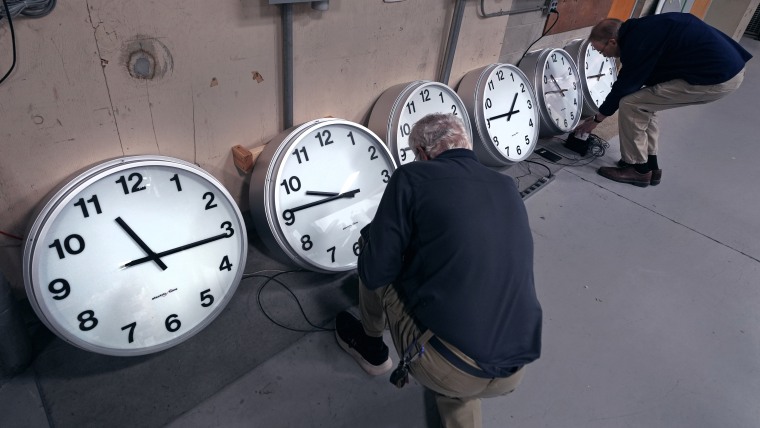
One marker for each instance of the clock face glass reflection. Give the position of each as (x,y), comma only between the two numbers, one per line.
(600,74)
(328,186)
(428,98)
(561,90)
(510,112)
(138,257)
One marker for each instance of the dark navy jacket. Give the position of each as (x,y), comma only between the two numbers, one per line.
(453,236)
(669,46)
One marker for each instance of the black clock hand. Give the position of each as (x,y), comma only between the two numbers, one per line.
(508,114)
(349,194)
(151,255)
(313,192)
(561,91)
(178,249)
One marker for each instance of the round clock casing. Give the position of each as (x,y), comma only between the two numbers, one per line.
(597,74)
(134,255)
(558,89)
(314,187)
(401,106)
(502,106)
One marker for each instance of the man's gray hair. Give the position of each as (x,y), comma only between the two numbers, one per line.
(438,132)
(605,30)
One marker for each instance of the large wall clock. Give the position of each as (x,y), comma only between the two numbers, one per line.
(503,108)
(597,74)
(314,187)
(401,106)
(134,255)
(558,89)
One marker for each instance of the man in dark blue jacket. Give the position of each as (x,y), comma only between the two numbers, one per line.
(452,239)
(668,60)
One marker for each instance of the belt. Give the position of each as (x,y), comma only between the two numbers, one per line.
(469,367)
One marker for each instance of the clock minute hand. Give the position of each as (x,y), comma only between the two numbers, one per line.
(561,91)
(349,194)
(179,249)
(151,255)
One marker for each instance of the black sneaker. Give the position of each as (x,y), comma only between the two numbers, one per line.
(372,357)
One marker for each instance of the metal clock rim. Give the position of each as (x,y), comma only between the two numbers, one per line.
(540,56)
(55,202)
(577,48)
(276,166)
(479,115)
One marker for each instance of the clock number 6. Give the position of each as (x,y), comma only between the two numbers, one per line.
(172,323)
(67,245)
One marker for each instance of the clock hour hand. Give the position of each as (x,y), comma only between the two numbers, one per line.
(151,255)
(179,249)
(596,75)
(561,91)
(288,214)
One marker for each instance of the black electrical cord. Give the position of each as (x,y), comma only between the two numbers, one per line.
(551,174)
(270,278)
(541,37)
(13,40)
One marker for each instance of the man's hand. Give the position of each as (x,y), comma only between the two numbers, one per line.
(586,126)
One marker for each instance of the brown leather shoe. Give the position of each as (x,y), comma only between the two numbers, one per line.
(626,175)
(656,177)
(656,173)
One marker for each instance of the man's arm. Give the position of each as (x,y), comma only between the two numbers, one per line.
(386,238)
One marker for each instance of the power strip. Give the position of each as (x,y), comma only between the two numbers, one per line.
(543,181)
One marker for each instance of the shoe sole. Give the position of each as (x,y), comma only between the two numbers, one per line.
(635,183)
(369,368)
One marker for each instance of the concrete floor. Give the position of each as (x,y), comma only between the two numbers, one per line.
(650,300)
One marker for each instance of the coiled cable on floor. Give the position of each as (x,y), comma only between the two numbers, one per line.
(28,8)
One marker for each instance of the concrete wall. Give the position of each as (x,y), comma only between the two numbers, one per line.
(80,94)
(731,16)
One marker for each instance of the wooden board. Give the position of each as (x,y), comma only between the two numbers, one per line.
(575,14)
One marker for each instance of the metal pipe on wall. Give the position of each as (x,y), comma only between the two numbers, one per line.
(451,44)
(287,65)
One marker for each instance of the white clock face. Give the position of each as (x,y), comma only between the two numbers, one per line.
(510,113)
(139,255)
(329,182)
(600,73)
(418,101)
(560,89)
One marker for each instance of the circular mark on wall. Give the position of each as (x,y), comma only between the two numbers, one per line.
(141,65)
(147,58)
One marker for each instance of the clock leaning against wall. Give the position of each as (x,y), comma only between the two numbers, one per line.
(314,187)
(597,74)
(134,255)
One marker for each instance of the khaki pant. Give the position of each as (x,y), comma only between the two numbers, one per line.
(637,121)
(457,393)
